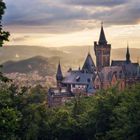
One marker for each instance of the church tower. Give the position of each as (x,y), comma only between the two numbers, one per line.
(102,51)
(59,75)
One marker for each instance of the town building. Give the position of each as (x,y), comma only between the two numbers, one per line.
(88,80)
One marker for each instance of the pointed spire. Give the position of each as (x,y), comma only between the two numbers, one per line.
(59,75)
(89,65)
(102,39)
(127,54)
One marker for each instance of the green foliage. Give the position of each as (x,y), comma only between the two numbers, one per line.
(3,37)
(24,115)
(3,34)
(9,116)
(126,116)
(9,122)
(109,115)
(2,7)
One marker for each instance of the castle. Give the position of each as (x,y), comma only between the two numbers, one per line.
(91,78)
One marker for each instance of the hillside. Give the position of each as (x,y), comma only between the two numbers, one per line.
(44,66)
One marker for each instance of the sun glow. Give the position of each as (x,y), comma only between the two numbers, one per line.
(116,35)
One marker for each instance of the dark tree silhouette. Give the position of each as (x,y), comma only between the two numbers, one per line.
(3,34)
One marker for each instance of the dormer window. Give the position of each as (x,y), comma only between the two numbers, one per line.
(78,78)
(88,80)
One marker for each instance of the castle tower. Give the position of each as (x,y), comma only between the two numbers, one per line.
(102,51)
(128,55)
(59,75)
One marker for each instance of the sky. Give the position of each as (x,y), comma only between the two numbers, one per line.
(58,23)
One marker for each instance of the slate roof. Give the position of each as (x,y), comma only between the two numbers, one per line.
(78,77)
(90,88)
(136,64)
(89,65)
(102,38)
(59,75)
(118,62)
(100,75)
(107,73)
(130,69)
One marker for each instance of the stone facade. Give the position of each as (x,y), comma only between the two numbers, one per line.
(91,78)
(102,51)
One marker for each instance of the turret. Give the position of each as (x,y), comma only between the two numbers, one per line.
(128,55)
(59,75)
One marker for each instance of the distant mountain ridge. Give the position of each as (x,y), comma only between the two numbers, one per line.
(42,65)
(26,59)
(20,52)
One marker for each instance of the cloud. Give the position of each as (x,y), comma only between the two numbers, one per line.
(69,15)
(20,38)
(122,15)
(52,17)
(39,13)
(102,3)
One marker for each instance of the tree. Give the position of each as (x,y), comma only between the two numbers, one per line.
(3,34)
(3,37)
(32,105)
(126,116)
(9,116)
